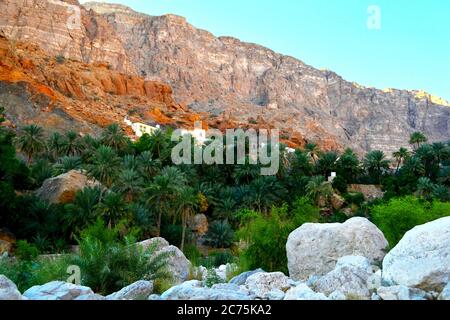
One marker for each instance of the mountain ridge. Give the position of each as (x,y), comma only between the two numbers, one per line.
(238,83)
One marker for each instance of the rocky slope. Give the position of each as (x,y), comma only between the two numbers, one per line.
(62,94)
(418,268)
(238,84)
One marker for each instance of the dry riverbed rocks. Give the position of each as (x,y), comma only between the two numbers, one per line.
(418,268)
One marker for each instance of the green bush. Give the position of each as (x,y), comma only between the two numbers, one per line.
(220,235)
(403,214)
(212,278)
(265,239)
(108,264)
(304,211)
(356,198)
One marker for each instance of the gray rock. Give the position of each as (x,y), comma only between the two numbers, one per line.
(57,290)
(422,258)
(337,295)
(445,294)
(242,278)
(140,290)
(91,297)
(261,284)
(401,293)
(314,248)
(178,265)
(350,277)
(274,295)
(8,290)
(303,292)
(154,297)
(193,290)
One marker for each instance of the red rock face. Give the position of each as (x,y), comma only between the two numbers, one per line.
(64,94)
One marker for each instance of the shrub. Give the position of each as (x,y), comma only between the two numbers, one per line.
(265,239)
(304,211)
(356,198)
(402,214)
(109,264)
(60,59)
(220,234)
(212,278)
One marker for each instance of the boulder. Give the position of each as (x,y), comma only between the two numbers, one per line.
(422,258)
(178,265)
(7,242)
(199,224)
(242,278)
(401,293)
(90,297)
(350,277)
(261,284)
(274,295)
(193,290)
(57,290)
(63,188)
(8,290)
(314,248)
(370,192)
(140,290)
(303,292)
(445,294)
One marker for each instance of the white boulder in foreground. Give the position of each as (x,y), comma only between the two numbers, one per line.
(314,248)
(422,258)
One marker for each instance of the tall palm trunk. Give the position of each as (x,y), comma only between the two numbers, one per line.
(183,234)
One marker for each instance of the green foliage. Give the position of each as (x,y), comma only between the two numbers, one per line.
(402,214)
(303,211)
(212,278)
(265,239)
(220,234)
(109,264)
(60,59)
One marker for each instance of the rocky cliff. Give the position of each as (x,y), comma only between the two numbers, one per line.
(230,78)
(236,83)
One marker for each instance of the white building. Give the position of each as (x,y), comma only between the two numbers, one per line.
(140,129)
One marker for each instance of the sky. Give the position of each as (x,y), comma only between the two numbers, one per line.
(399,44)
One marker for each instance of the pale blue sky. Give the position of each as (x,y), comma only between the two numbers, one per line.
(411,51)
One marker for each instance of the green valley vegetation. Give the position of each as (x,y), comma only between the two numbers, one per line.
(142,195)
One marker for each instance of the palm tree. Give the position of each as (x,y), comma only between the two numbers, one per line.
(130,184)
(67,163)
(327,163)
(114,137)
(113,208)
(313,151)
(414,166)
(225,209)
(417,138)
(318,189)
(104,165)
(376,163)
(245,173)
(148,167)
(425,188)
(163,191)
(441,151)
(401,155)
(186,204)
(31,141)
(71,145)
(348,166)
(82,212)
(55,144)
(301,163)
